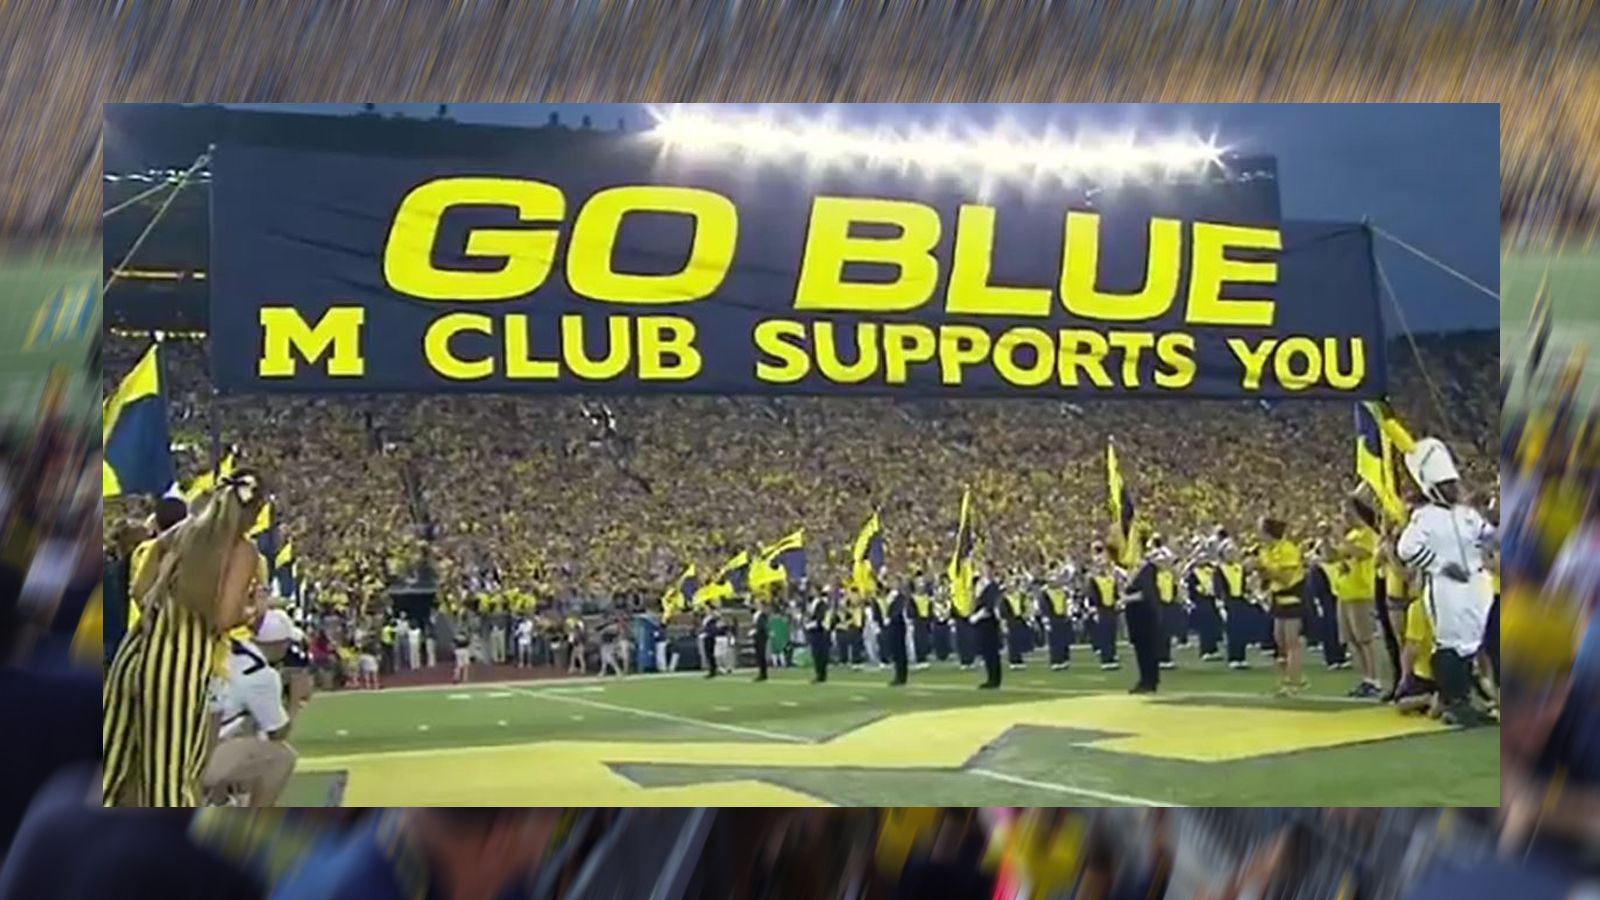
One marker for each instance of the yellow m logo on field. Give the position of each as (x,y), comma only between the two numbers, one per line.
(579,772)
(66,315)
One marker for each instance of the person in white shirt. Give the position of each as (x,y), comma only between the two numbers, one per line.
(402,643)
(497,643)
(253,756)
(414,648)
(719,654)
(610,644)
(524,642)
(1446,542)
(869,634)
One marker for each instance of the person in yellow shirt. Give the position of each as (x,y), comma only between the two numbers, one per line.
(1398,594)
(1418,692)
(1283,573)
(1358,622)
(169,512)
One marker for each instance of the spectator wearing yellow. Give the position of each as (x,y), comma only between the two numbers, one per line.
(1358,553)
(1283,573)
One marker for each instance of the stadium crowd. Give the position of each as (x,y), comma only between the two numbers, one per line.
(543,509)
(1540,62)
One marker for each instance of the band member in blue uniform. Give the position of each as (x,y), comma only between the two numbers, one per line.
(1104,587)
(1173,620)
(1201,586)
(966,640)
(1230,587)
(986,628)
(818,628)
(1015,610)
(943,630)
(1053,600)
(759,633)
(921,608)
(894,631)
(710,627)
(1140,602)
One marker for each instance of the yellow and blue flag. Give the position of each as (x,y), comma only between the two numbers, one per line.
(264,533)
(1378,435)
(712,594)
(868,556)
(732,580)
(283,572)
(1120,502)
(781,562)
(138,450)
(735,573)
(676,599)
(960,570)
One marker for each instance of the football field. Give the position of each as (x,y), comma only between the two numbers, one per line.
(49,311)
(1574,303)
(1212,737)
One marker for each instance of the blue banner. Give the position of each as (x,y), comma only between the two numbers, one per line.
(607,266)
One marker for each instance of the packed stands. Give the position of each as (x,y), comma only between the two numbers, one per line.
(593,502)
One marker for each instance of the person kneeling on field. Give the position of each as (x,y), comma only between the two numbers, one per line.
(1418,692)
(253,758)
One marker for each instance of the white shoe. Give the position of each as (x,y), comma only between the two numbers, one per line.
(1110,667)
(1015,666)
(1238,665)
(1059,667)
(1168,665)
(922,666)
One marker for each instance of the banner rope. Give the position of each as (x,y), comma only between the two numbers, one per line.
(1437,263)
(136,198)
(177,187)
(1416,352)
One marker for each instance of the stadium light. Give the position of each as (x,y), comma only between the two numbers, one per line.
(998,154)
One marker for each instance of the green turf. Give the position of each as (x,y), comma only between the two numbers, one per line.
(1574,302)
(28,282)
(1431,769)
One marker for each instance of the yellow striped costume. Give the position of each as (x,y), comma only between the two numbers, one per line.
(155,729)
(155,719)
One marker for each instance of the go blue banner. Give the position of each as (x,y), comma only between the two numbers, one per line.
(600,264)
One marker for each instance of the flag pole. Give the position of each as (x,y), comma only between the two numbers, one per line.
(216,435)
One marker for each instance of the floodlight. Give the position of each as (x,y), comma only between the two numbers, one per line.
(997,154)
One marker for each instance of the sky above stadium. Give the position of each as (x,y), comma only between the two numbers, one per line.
(1428,173)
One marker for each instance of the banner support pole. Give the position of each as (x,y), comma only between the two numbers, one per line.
(216,435)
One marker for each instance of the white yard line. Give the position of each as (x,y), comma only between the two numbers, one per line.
(1106,796)
(1086,692)
(1246,695)
(667,717)
(955,688)
(558,682)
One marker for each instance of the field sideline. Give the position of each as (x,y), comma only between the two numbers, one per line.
(1574,301)
(1213,737)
